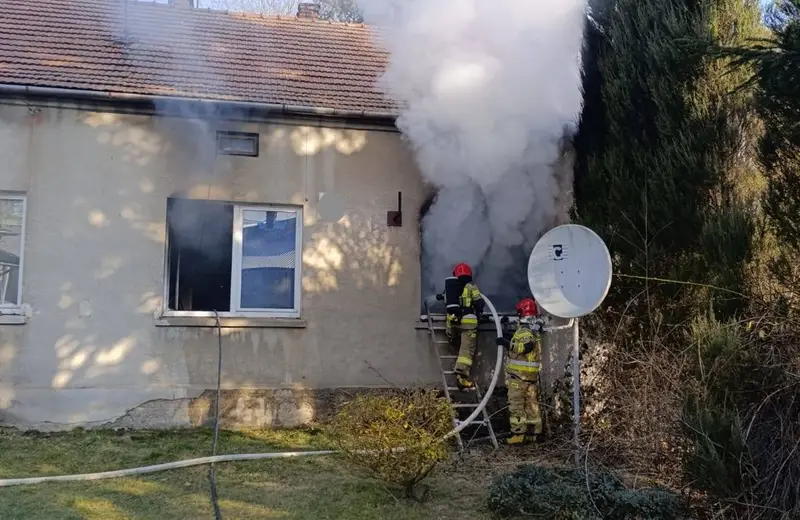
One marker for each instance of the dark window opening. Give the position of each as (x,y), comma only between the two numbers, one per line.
(505,300)
(200,241)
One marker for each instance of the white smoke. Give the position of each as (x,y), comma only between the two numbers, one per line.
(489,88)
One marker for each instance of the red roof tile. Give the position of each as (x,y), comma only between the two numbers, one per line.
(83,44)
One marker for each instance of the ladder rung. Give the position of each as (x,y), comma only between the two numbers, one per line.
(463,405)
(448,357)
(457,389)
(475,423)
(448,372)
(442,342)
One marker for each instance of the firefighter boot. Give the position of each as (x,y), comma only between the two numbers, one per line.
(464,382)
(516,439)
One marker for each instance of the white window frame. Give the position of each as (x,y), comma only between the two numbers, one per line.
(236,269)
(10,308)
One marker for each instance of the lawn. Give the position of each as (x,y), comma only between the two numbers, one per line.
(305,488)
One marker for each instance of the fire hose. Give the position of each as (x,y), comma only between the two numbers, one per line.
(260,456)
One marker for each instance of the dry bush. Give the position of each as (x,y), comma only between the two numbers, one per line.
(745,419)
(635,423)
(713,408)
(395,438)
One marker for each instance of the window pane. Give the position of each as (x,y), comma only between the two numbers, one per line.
(268,259)
(10,250)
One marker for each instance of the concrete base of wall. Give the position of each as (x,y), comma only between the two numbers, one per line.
(256,409)
(239,409)
(265,409)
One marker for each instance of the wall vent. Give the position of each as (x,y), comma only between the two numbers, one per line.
(237,143)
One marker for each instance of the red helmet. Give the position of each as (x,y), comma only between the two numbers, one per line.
(527,307)
(462,270)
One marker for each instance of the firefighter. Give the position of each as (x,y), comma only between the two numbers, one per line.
(522,373)
(464,305)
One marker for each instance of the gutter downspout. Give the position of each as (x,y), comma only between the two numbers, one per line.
(7,89)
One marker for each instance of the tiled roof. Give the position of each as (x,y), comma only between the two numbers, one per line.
(173,51)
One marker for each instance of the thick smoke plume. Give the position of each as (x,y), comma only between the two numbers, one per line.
(490,90)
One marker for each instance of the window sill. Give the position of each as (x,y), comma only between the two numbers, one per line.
(439,324)
(486,322)
(13,319)
(231,322)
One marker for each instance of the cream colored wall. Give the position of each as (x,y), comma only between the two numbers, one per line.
(97,185)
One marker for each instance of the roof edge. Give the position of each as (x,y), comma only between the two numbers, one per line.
(210,106)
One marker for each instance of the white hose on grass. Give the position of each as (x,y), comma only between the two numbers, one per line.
(161,467)
(257,456)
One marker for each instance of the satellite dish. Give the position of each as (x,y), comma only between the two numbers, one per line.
(569,271)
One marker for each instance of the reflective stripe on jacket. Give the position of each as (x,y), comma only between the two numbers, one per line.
(521,365)
(469,296)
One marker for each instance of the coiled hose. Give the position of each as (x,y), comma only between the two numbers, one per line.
(259,456)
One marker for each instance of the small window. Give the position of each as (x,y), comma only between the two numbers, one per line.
(12,242)
(237,259)
(237,143)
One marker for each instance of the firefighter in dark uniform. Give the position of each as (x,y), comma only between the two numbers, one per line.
(464,305)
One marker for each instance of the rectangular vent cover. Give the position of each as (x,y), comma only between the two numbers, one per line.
(237,143)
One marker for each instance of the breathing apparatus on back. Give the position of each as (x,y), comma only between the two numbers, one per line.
(454,289)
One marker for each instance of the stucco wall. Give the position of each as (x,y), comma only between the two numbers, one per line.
(97,185)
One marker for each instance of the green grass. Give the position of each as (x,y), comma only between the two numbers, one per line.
(307,488)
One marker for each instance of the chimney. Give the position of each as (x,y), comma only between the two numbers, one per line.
(182,4)
(308,10)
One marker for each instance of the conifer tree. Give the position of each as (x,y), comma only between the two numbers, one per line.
(666,168)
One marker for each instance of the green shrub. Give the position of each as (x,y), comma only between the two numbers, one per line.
(741,415)
(728,240)
(715,341)
(534,491)
(395,438)
(721,360)
(560,494)
(719,460)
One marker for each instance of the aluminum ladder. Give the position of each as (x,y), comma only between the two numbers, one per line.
(463,402)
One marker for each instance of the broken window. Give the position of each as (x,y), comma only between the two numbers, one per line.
(12,236)
(233,258)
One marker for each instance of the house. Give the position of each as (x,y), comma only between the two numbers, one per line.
(165,167)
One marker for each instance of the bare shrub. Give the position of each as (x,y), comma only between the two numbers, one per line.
(637,428)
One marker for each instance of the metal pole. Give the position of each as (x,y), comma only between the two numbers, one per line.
(5,278)
(178,284)
(576,387)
